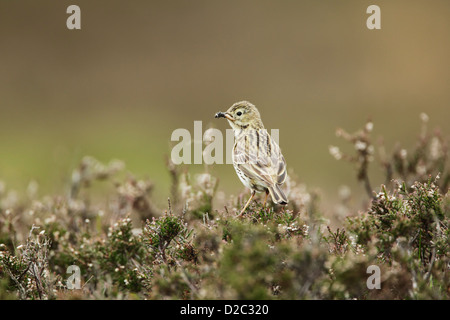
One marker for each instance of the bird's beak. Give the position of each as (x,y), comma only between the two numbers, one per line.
(224,115)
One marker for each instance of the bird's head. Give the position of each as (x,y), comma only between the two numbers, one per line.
(242,115)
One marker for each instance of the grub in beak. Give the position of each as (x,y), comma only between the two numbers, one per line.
(224,115)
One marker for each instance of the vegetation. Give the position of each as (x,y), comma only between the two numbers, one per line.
(126,248)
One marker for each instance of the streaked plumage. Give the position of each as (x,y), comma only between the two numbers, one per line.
(257,158)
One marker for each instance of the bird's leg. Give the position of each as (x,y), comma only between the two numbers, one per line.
(265,199)
(248,202)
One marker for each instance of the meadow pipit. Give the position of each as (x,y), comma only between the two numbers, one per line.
(257,158)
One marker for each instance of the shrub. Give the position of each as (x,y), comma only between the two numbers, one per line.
(128,248)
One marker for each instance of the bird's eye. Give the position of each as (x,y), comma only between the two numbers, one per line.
(238,113)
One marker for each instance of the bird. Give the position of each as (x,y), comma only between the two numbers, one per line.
(257,158)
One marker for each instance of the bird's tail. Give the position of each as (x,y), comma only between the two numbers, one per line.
(278,195)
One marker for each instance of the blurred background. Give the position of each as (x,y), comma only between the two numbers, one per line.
(136,71)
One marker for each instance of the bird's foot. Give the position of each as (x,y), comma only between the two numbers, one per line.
(240,215)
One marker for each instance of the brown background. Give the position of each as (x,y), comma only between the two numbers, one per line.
(137,70)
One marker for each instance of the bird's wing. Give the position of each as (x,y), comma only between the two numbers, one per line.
(260,158)
(282,173)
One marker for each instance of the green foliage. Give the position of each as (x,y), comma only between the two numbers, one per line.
(249,263)
(28,269)
(161,234)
